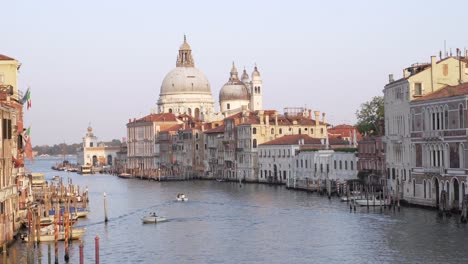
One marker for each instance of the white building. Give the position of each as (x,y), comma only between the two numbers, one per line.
(300,161)
(96,153)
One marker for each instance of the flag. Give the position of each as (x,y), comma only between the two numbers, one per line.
(27,98)
(28,150)
(27,146)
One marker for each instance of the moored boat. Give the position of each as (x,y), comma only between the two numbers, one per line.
(370,202)
(125,175)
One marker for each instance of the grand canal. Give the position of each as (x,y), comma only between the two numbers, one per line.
(226,223)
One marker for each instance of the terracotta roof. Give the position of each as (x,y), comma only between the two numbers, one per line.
(219,129)
(3,57)
(448,91)
(164,117)
(165,128)
(293,140)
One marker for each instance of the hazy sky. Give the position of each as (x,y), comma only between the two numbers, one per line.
(104,61)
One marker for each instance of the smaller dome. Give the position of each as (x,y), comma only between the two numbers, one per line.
(234,91)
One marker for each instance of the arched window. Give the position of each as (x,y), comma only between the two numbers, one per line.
(414,188)
(334,164)
(346,165)
(272,131)
(254,144)
(280,131)
(352,165)
(258,89)
(341,165)
(170,110)
(461,116)
(254,130)
(321,131)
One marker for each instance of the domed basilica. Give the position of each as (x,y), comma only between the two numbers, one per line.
(186,90)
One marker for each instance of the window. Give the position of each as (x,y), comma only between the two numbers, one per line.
(341,165)
(280,131)
(170,110)
(334,164)
(91,144)
(228,106)
(352,165)
(272,131)
(417,89)
(321,131)
(461,116)
(196,146)
(6,128)
(254,144)
(254,130)
(346,165)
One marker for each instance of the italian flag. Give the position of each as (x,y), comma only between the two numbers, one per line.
(27,98)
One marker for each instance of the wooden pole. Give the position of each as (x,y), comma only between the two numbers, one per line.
(105,209)
(56,232)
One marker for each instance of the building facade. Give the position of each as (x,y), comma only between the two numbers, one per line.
(418,80)
(438,148)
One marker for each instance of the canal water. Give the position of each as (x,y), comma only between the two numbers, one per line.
(225,223)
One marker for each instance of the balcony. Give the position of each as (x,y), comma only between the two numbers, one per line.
(434,135)
(434,170)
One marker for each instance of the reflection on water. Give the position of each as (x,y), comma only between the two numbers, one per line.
(226,223)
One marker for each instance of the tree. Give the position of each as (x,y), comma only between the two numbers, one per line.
(370,118)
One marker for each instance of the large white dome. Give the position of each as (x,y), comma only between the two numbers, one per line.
(185,80)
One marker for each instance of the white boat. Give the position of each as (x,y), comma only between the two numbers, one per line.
(370,202)
(153,219)
(351,198)
(49,236)
(181,197)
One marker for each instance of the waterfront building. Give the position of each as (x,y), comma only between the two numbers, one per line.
(185,89)
(95,153)
(261,126)
(303,162)
(14,185)
(371,160)
(418,80)
(438,148)
(214,152)
(141,140)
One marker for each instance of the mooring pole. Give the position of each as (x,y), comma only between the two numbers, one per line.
(105,209)
(96,248)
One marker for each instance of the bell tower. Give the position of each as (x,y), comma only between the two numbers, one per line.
(256,90)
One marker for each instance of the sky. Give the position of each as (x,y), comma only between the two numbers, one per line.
(103,62)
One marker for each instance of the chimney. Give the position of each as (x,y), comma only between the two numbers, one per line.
(310,114)
(433,68)
(323,118)
(406,73)
(317,113)
(390,78)
(276,118)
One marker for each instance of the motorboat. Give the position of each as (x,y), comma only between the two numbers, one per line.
(181,197)
(153,219)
